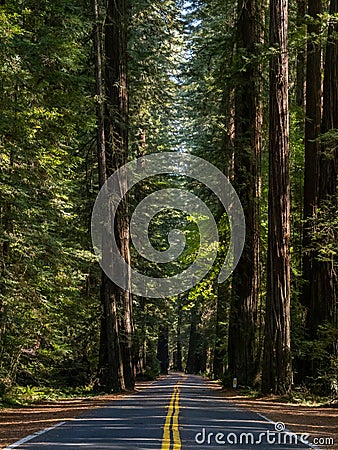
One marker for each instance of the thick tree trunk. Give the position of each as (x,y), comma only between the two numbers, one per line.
(311,177)
(110,371)
(117,143)
(312,150)
(248,124)
(117,327)
(323,308)
(277,373)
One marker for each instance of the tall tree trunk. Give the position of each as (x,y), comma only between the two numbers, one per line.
(218,365)
(100,94)
(324,306)
(142,344)
(312,150)
(248,124)
(277,373)
(197,351)
(192,349)
(196,360)
(116,133)
(301,57)
(178,340)
(6,226)
(116,369)
(110,371)
(311,176)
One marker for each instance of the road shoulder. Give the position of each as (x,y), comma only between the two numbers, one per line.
(317,421)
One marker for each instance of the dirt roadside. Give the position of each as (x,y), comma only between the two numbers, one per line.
(318,422)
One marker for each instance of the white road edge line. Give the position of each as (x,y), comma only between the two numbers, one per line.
(32,436)
(288,431)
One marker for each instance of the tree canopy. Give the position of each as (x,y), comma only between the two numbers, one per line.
(249,87)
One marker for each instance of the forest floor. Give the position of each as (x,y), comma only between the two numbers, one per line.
(317,421)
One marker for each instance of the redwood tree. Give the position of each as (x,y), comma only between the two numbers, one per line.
(115,365)
(312,150)
(323,307)
(277,373)
(117,143)
(301,57)
(248,129)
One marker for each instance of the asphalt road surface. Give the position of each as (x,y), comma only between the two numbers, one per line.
(176,412)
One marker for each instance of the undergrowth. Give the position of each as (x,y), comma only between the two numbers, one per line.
(18,396)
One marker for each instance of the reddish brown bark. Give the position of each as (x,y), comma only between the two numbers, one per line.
(248,126)
(277,373)
(116,133)
(116,371)
(323,307)
(312,148)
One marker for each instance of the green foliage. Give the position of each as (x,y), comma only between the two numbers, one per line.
(154,52)
(325,238)
(320,353)
(26,395)
(206,80)
(182,69)
(153,368)
(47,314)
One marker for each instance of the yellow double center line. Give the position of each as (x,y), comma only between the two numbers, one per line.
(172,417)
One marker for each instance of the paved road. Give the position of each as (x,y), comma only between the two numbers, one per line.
(174,413)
